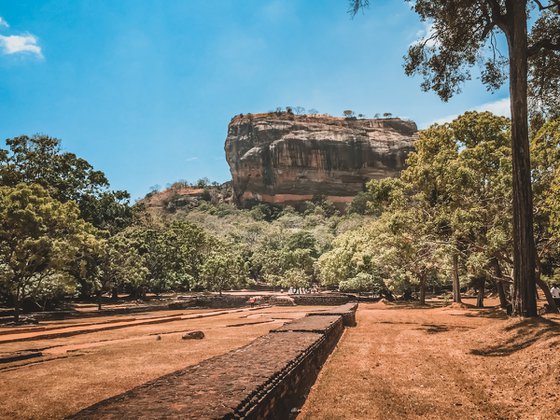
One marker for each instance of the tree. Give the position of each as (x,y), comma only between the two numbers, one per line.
(39,238)
(393,249)
(545,152)
(348,113)
(448,212)
(294,277)
(223,269)
(124,265)
(40,160)
(299,110)
(463,33)
(482,219)
(429,182)
(363,282)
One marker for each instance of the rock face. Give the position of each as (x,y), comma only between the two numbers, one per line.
(286,159)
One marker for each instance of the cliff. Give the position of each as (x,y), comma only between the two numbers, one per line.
(288,159)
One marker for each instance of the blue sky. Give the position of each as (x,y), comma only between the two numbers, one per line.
(144,89)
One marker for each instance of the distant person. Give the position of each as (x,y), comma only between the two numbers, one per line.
(555,292)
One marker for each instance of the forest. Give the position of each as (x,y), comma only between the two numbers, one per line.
(444,225)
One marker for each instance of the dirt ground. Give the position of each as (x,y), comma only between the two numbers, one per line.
(83,361)
(403,362)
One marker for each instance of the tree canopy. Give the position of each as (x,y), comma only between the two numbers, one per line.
(40,160)
(39,238)
(464,33)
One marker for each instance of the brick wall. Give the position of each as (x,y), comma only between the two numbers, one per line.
(265,379)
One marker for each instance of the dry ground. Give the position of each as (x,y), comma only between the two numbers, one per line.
(404,362)
(99,360)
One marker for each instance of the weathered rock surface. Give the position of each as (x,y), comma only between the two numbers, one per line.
(193,335)
(288,159)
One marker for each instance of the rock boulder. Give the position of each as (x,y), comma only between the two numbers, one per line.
(281,158)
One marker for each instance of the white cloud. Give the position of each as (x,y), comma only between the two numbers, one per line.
(499,107)
(191,159)
(15,44)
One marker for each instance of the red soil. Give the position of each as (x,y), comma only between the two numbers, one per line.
(439,363)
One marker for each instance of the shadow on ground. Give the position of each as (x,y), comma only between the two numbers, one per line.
(525,334)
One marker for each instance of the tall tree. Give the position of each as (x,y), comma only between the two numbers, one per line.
(223,269)
(40,160)
(39,238)
(462,34)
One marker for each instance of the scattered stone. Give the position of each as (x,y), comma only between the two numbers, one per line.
(193,335)
(158,338)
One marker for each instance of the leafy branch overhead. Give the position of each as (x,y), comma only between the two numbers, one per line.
(464,34)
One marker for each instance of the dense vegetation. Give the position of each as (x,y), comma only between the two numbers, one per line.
(463,34)
(64,233)
(446,221)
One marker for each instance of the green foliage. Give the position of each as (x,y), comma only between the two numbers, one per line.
(294,277)
(320,206)
(363,282)
(454,197)
(223,269)
(545,150)
(266,212)
(39,160)
(453,200)
(39,239)
(463,34)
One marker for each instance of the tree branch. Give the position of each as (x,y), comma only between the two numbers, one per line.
(546,44)
(553,3)
(498,18)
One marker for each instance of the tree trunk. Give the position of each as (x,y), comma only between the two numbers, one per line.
(502,294)
(499,284)
(387,294)
(525,303)
(17,304)
(480,297)
(549,299)
(456,282)
(423,289)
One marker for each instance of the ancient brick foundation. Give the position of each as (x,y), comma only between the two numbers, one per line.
(320,299)
(265,379)
(348,313)
(229,301)
(214,302)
